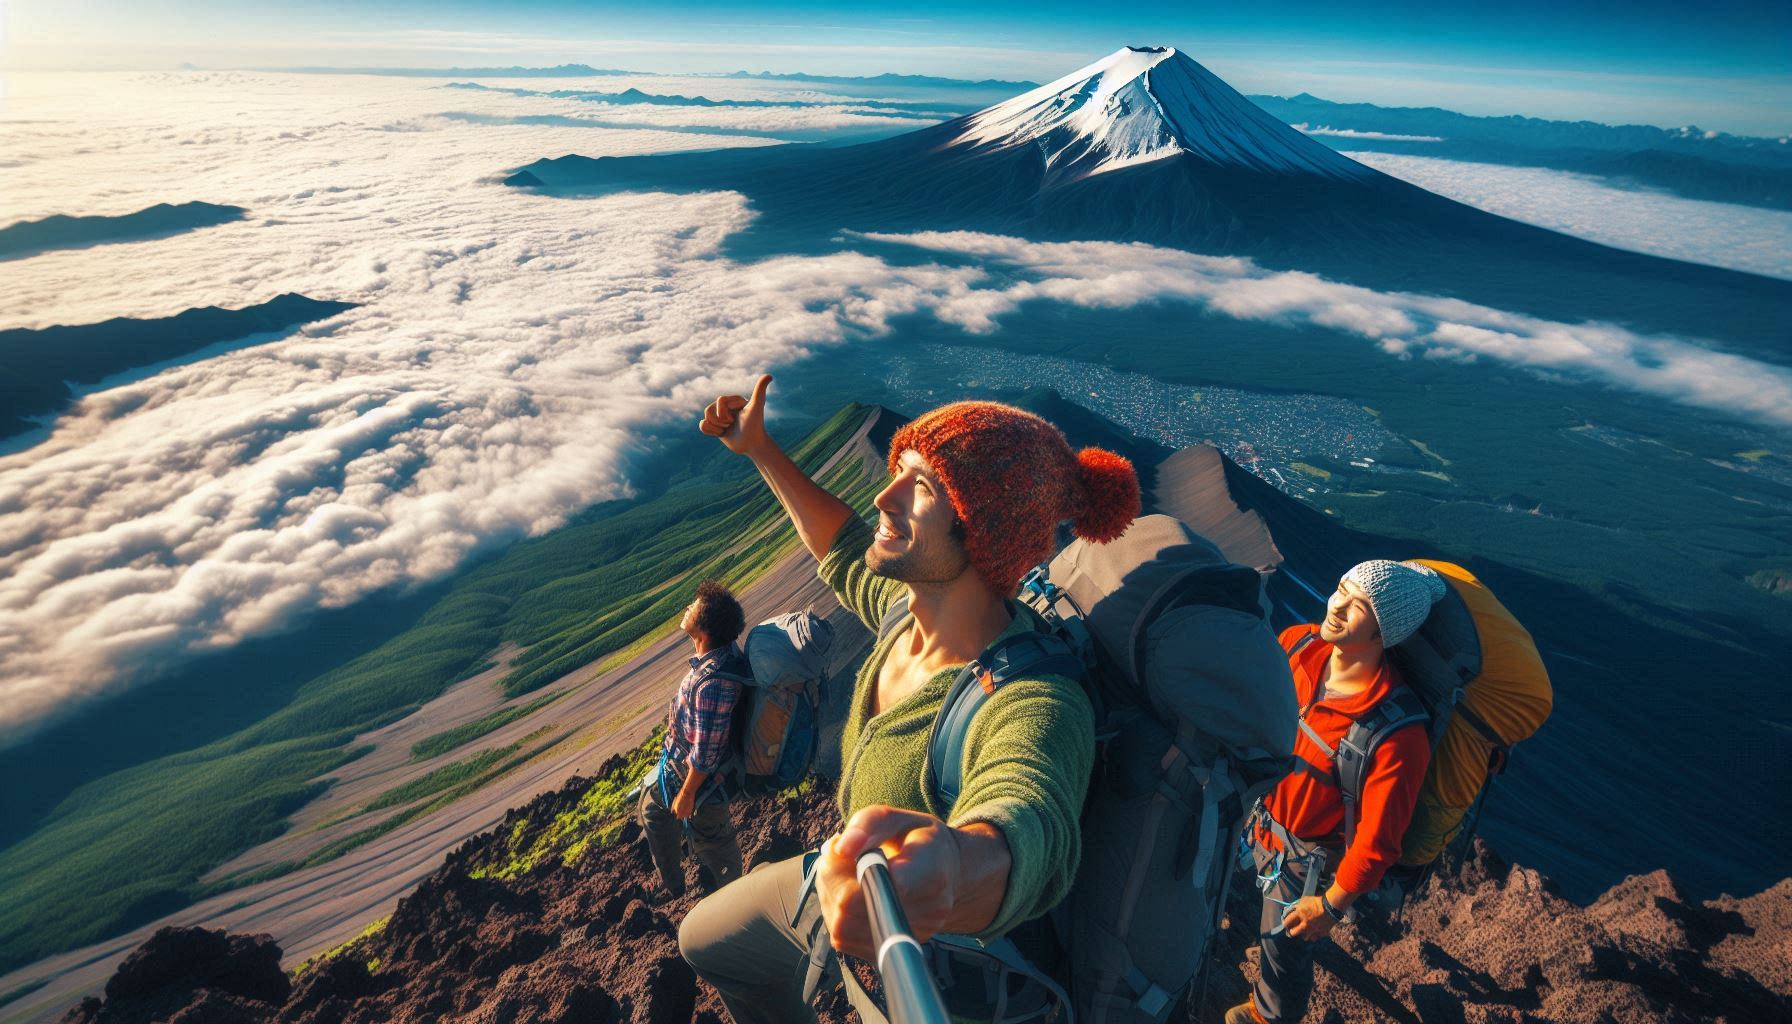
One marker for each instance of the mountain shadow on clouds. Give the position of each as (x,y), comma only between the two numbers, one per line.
(30,237)
(37,366)
(1147,145)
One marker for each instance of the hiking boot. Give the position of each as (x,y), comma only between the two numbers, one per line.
(1241,1014)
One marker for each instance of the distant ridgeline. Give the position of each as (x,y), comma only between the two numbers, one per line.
(1182,160)
(37,366)
(1688,161)
(64,232)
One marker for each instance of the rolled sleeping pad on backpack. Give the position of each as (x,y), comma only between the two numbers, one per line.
(1510,694)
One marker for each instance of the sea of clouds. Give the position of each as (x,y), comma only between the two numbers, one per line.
(508,350)
(1747,238)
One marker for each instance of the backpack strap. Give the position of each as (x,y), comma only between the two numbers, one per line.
(1030,653)
(1303,643)
(893,617)
(1356,749)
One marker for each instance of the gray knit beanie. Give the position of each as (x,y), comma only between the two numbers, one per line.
(1400,593)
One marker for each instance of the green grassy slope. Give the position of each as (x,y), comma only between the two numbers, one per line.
(133,845)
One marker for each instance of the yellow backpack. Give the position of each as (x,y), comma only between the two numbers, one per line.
(1479,673)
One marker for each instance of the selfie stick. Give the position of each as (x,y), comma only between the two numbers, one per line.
(908,984)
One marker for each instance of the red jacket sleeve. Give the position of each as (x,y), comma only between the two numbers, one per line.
(1390,790)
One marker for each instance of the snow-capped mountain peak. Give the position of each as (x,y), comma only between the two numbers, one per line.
(1140,104)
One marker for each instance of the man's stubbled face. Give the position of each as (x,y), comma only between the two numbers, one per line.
(915,541)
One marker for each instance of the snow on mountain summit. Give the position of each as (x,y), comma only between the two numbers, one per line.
(1140,104)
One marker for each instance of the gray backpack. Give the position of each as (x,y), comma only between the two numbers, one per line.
(777,721)
(1195,720)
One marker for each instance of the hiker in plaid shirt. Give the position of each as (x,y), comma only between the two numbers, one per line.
(684,796)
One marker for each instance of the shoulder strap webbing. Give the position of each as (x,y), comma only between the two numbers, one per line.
(1357,748)
(893,617)
(1031,653)
(1303,643)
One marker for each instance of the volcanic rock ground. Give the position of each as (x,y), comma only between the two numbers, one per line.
(590,941)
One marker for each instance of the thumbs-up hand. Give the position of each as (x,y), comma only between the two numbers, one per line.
(739,422)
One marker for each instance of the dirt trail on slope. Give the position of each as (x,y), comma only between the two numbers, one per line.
(316,909)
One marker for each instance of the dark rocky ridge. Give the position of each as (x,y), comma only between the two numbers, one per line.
(61,231)
(40,363)
(589,942)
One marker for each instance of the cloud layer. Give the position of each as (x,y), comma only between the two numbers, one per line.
(1720,234)
(1113,275)
(1352,133)
(507,351)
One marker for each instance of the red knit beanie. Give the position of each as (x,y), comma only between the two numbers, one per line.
(1012,478)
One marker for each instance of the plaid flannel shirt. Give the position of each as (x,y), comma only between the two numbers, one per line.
(703,711)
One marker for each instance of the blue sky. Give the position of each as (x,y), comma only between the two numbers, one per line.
(1724,65)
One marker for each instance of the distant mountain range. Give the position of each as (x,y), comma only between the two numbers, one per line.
(558,71)
(636,97)
(1689,161)
(1148,145)
(913,81)
(586,70)
(60,231)
(37,366)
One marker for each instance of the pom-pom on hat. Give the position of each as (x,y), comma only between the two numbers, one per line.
(1400,593)
(1012,478)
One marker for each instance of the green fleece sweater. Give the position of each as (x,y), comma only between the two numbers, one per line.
(1027,758)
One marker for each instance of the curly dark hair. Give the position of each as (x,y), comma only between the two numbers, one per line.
(718,613)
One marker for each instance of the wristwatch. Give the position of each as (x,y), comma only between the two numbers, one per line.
(1330,911)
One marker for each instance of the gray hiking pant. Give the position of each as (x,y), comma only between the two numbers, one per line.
(742,941)
(712,839)
(1284,963)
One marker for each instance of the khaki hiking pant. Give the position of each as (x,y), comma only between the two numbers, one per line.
(712,838)
(741,940)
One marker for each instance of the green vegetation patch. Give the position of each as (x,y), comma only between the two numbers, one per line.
(353,946)
(359,839)
(1314,471)
(648,566)
(442,742)
(442,778)
(595,819)
(132,846)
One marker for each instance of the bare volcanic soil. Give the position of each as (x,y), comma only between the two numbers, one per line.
(591,942)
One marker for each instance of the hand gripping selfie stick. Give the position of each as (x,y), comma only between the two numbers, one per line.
(908,984)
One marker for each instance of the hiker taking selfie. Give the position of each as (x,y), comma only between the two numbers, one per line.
(685,795)
(975,495)
(1329,832)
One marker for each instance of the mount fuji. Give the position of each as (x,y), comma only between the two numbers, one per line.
(1147,145)
(1139,105)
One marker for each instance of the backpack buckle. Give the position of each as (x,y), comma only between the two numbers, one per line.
(1037,582)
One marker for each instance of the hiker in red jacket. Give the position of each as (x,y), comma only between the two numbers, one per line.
(1318,847)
